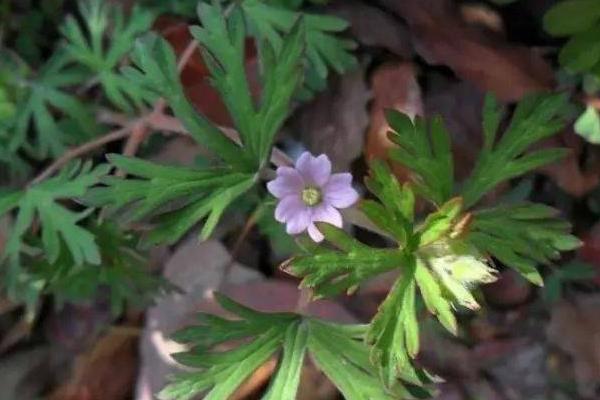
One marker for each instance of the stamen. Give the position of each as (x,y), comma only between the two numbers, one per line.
(311,196)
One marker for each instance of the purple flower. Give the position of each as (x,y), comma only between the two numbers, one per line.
(310,193)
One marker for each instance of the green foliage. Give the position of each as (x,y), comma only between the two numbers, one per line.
(121,275)
(336,349)
(580,20)
(87,45)
(588,125)
(193,195)
(393,332)
(522,236)
(181,197)
(57,222)
(445,256)
(39,205)
(56,117)
(535,118)
(271,23)
(223,42)
(429,157)
(424,148)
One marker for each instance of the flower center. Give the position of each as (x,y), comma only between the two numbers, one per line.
(311,196)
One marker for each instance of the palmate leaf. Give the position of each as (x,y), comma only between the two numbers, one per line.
(522,236)
(424,148)
(535,118)
(189,195)
(122,273)
(55,117)
(223,42)
(393,332)
(270,22)
(579,19)
(157,70)
(106,23)
(60,227)
(338,350)
(57,222)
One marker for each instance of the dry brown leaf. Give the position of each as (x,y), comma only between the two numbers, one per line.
(568,173)
(395,87)
(106,372)
(335,122)
(442,37)
(372,27)
(575,329)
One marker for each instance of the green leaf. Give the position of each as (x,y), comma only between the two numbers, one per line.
(157,69)
(329,272)
(190,195)
(285,383)
(588,125)
(571,16)
(103,43)
(424,148)
(223,42)
(536,118)
(47,107)
(270,23)
(432,294)
(440,222)
(582,51)
(395,214)
(122,272)
(339,350)
(56,221)
(345,361)
(394,331)
(522,236)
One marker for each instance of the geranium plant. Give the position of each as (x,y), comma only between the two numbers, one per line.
(72,222)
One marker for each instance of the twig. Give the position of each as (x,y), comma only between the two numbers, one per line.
(79,151)
(141,131)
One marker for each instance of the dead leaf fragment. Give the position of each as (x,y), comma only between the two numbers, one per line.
(575,329)
(106,372)
(395,87)
(444,38)
(335,121)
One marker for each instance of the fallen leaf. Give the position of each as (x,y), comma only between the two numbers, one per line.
(105,372)
(569,174)
(394,86)
(460,105)
(388,34)
(575,329)
(25,374)
(335,121)
(510,290)
(443,37)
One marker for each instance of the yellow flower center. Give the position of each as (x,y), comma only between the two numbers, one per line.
(311,196)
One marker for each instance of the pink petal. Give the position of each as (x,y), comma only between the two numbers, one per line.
(314,170)
(288,207)
(327,213)
(288,182)
(298,222)
(315,234)
(339,191)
